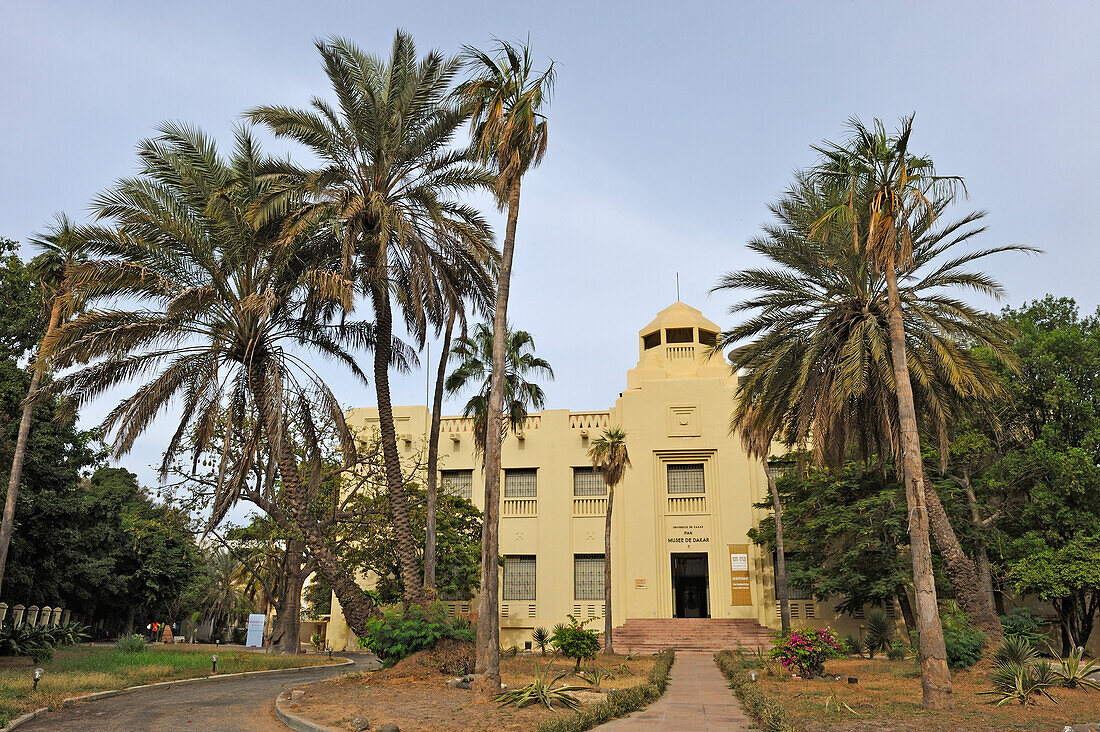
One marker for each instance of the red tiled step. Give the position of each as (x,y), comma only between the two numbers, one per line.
(695,634)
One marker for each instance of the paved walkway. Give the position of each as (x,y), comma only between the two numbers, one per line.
(697,698)
(244,704)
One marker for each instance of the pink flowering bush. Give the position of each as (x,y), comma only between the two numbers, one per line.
(807,649)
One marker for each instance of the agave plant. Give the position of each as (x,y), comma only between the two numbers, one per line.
(1074,672)
(1013,682)
(1015,650)
(854,644)
(541,639)
(542,692)
(880,632)
(594,676)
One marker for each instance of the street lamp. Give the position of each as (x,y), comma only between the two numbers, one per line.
(38,673)
(214,663)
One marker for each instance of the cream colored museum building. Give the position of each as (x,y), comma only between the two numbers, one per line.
(681,513)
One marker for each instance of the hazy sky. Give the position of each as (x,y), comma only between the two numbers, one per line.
(672,127)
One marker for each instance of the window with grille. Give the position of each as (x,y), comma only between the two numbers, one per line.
(519,577)
(708,338)
(679,335)
(794,592)
(520,483)
(652,340)
(588,482)
(458,483)
(685,478)
(588,576)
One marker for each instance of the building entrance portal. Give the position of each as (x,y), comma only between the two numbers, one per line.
(690,586)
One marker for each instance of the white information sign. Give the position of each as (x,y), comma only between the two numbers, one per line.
(739,562)
(255,636)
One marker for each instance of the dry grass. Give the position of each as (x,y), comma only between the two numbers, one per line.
(888,697)
(87,669)
(414,696)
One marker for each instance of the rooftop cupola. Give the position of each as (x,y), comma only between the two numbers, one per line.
(677,344)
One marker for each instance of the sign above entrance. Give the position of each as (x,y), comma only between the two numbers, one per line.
(688,533)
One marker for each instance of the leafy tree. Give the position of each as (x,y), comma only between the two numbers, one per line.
(609,456)
(509,128)
(318,598)
(474,354)
(386,190)
(1046,483)
(846,532)
(370,546)
(61,248)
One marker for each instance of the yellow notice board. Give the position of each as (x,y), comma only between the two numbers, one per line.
(739,574)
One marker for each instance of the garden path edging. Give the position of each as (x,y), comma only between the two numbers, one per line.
(293,721)
(69,701)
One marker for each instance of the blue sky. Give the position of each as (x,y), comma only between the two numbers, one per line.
(673,125)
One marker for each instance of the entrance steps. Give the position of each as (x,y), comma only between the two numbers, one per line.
(649,635)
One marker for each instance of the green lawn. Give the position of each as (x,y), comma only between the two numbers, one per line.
(85,669)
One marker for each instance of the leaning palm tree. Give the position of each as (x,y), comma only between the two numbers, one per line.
(506,99)
(62,247)
(609,456)
(386,188)
(816,366)
(191,298)
(474,353)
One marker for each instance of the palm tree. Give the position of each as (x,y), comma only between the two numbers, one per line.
(481,296)
(385,189)
(609,456)
(193,299)
(816,368)
(474,353)
(506,98)
(62,247)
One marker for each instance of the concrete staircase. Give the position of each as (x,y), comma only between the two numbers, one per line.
(649,635)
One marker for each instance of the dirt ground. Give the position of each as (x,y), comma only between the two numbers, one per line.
(413,694)
(888,697)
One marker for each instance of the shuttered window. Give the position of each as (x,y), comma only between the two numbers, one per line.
(588,576)
(519,577)
(588,482)
(520,483)
(458,483)
(685,478)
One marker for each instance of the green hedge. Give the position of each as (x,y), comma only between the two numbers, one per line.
(768,714)
(619,702)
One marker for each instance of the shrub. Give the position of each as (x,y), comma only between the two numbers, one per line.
(576,641)
(403,632)
(897,651)
(37,643)
(131,643)
(317,640)
(964,642)
(880,632)
(853,644)
(768,714)
(1021,623)
(618,703)
(807,649)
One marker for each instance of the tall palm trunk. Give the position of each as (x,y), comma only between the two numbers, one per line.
(981,555)
(935,677)
(433,457)
(487,667)
(608,647)
(288,606)
(780,558)
(357,606)
(395,480)
(962,572)
(7,526)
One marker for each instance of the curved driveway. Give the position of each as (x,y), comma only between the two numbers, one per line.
(242,704)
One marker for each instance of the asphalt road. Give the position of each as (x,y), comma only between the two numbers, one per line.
(243,704)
